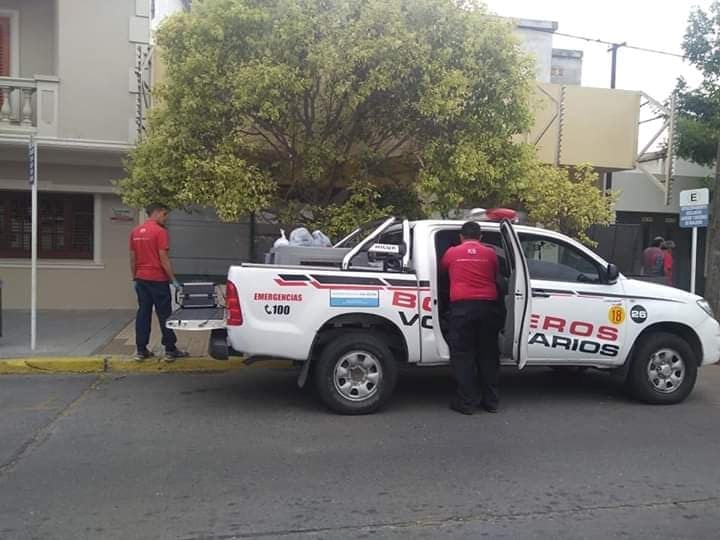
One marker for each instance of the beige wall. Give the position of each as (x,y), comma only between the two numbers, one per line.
(94,61)
(599,126)
(36,19)
(78,285)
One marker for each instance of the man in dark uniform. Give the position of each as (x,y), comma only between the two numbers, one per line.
(475,320)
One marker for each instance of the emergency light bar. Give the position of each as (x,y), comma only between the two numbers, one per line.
(494,214)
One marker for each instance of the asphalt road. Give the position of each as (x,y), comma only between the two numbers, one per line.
(248,455)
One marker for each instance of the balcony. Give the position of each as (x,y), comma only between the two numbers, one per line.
(29,106)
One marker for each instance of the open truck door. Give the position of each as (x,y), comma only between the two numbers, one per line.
(514,342)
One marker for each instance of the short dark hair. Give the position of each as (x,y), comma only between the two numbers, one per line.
(151,208)
(658,241)
(471,229)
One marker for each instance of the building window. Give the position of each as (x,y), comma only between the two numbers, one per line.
(4,47)
(65,225)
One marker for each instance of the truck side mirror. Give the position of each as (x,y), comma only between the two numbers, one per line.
(612,273)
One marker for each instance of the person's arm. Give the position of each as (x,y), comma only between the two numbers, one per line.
(500,281)
(167,265)
(445,261)
(668,268)
(133,260)
(163,250)
(132,264)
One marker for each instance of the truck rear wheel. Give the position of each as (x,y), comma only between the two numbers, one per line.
(663,370)
(355,373)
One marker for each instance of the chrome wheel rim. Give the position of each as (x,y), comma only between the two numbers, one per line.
(357,375)
(666,371)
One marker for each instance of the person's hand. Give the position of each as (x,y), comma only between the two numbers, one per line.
(177,284)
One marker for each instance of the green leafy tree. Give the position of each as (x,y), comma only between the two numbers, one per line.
(699,122)
(566,200)
(336,110)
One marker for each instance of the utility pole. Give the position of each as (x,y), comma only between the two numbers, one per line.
(613,67)
(613,73)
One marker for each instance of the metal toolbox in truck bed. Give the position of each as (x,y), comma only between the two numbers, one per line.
(199,309)
(197,319)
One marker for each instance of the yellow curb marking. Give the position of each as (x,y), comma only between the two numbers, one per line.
(96,364)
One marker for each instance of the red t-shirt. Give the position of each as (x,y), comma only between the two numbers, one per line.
(146,241)
(473,268)
(668,267)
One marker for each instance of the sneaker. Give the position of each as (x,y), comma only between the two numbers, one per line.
(141,356)
(174,354)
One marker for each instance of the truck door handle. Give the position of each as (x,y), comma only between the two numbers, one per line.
(539,293)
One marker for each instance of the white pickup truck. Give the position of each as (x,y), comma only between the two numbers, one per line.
(377,301)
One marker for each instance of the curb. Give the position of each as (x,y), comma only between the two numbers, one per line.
(106,364)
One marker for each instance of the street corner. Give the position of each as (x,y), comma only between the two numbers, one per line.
(14,366)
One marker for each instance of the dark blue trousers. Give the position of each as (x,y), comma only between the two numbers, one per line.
(153,294)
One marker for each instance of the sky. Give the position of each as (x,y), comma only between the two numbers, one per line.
(645,23)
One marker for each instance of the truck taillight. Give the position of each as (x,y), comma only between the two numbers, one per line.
(232,305)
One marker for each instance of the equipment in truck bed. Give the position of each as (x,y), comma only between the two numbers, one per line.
(199,309)
(331,257)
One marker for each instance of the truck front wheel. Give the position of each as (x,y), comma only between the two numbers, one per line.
(355,373)
(663,370)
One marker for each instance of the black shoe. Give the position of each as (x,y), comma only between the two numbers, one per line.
(462,409)
(141,356)
(490,408)
(173,354)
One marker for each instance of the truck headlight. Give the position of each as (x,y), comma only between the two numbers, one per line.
(706,307)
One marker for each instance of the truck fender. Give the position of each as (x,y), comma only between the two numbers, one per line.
(347,322)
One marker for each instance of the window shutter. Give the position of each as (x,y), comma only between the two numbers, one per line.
(4,47)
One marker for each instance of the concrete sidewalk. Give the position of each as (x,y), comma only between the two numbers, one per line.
(61,332)
(123,343)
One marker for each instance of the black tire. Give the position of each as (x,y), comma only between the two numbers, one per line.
(353,350)
(646,384)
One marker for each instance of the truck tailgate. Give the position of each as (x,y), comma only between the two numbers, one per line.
(197,319)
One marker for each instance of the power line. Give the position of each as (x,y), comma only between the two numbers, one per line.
(594,40)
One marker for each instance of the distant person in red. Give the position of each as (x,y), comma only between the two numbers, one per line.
(667,248)
(475,320)
(652,258)
(152,273)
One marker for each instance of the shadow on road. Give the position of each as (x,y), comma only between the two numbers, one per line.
(264,389)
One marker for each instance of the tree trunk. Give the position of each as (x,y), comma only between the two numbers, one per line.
(712,285)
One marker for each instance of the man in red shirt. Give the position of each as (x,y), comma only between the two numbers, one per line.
(152,273)
(667,248)
(475,320)
(653,258)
